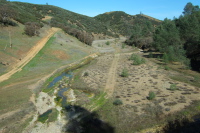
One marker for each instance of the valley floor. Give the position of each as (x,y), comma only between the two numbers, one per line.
(105,85)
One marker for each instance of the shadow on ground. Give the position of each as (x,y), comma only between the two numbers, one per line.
(183,126)
(83,121)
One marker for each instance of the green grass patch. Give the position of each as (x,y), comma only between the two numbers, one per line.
(36,59)
(173,87)
(26,69)
(117,102)
(137,60)
(107,111)
(123,45)
(166,67)
(124,73)
(107,43)
(58,100)
(53,116)
(184,79)
(77,77)
(44,117)
(48,90)
(20,128)
(198,107)
(13,98)
(98,100)
(151,95)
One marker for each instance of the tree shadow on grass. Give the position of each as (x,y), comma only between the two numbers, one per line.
(81,120)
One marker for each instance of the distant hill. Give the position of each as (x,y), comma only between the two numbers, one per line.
(107,24)
(123,23)
(60,17)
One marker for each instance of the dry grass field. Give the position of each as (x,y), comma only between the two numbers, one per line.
(174,90)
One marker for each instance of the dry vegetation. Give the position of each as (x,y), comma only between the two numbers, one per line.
(138,111)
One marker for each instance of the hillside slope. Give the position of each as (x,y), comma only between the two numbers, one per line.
(60,17)
(109,24)
(30,55)
(16,109)
(123,23)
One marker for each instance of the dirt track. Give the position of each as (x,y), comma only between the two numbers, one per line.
(110,83)
(30,55)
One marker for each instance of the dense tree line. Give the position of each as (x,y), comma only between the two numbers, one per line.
(177,39)
(167,40)
(180,38)
(142,35)
(189,29)
(83,36)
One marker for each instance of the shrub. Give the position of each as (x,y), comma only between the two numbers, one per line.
(86,74)
(165,58)
(167,68)
(143,61)
(137,60)
(150,55)
(173,87)
(124,73)
(196,78)
(123,45)
(107,43)
(32,28)
(118,102)
(151,96)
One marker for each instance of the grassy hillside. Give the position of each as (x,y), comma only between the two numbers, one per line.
(34,13)
(106,24)
(16,91)
(123,23)
(21,44)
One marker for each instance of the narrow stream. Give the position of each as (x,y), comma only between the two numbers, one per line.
(58,78)
(64,98)
(62,88)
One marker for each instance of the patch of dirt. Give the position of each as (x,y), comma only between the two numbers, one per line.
(110,83)
(60,54)
(114,45)
(47,17)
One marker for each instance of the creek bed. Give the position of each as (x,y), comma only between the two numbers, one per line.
(62,88)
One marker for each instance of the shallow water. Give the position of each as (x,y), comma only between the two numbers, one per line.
(58,78)
(64,98)
(61,90)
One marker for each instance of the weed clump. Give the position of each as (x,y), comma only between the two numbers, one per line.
(107,43)
(124,73)
(137,60)
(117,102)
(165,58)
(173,87)
(151,96)
(150,55)
(86,74)
(123,45)
(166,68)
